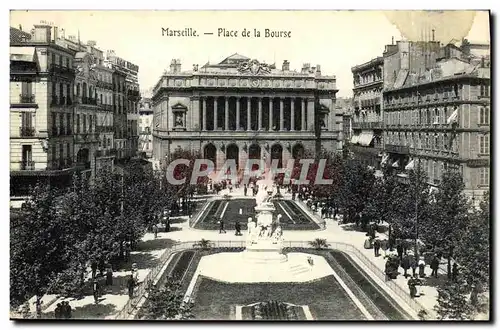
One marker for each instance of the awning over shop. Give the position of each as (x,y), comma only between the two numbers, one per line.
(366,138)
(355,139)
(25,54)
(410,166)
(395,164)
(453,118)
(384,159)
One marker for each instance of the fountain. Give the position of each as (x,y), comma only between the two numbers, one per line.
(265,235)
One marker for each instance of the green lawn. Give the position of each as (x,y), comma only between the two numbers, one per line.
(325,298)
(231,213)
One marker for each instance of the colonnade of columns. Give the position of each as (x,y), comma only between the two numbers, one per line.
(284,120)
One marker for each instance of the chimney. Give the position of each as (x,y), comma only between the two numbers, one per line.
(285,66)
(56,33)
(433,34)
(482,61)
(318,69)
(178,66)
(42,33)
(20,27)
(392,43)
(173,65)
(72,38)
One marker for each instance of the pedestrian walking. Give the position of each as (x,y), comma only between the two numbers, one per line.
(237,227)
(221,227)
(421,267)
(413,263)
(376,247)
(435,266)
(130,286)
(245,189)
(66,310)
(399,249)
(95,290)
(109,276)
(58,311)
(155,230)
(412,285)
(127,251)
(405,264)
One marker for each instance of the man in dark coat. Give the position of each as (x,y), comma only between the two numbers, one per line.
(95,290)
(221,227)
(435,266)
(237,227)
(130,286)
(109,276)
(405,264)
(58,311)
(66,310)
(376,247)
(399,249)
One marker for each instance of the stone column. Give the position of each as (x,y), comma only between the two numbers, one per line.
(271,106)
(195,117)
(249,112)
(226,114)
(204,112)
(282,100)
(215,113)
(310,114)
(260,114)
(237,113)
(303,115)
(292,117)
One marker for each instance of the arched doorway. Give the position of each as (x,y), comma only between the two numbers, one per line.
(82,158)
(210,153)
(298,151)
(277,153)
(232,152)
(254,152)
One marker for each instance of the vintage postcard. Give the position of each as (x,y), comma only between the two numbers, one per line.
(250,165)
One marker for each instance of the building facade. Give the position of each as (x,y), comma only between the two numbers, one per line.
(127,113)
(367,120)
(104,125)
(440,119)
(241,108)
(145,127)
(41,110)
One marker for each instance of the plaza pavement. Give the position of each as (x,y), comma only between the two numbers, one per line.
(116,297)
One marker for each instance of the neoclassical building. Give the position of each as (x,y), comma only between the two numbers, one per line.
(241,108)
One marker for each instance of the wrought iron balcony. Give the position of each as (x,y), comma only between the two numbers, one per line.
(59,69)
(27,99)
(397,149)
(26,131)
(368,125)
(27,165)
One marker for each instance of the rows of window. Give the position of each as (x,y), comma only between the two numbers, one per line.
(414,96)
(368,77)
(61,60)
(427,141)
(484,89)
(417,117)
(61,155)
(61,93)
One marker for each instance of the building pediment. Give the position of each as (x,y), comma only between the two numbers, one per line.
(179,107)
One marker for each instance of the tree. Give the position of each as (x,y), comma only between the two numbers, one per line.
(319,243)
(473,250)
(445,227)
(37,247)
(355,188)
(166,303)
(453,302)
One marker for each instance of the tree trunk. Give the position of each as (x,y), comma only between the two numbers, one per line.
(450,254)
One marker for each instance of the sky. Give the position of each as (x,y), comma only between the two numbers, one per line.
(336,40)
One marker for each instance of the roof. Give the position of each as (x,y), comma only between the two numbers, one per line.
(234,58)
(17,36)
